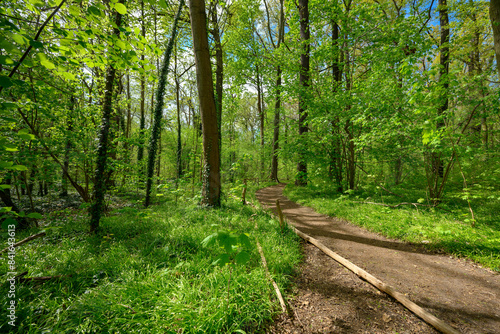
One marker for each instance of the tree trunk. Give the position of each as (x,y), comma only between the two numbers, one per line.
(277,104)
(303,5)
(348,128)
(178,106)
(437,168)
(142,122)
(260,110)
(495,24)
(6,198)
(67,149)
(102,150)
(276,125)
(158,111)
(219,72)
(335,159)
(211,189)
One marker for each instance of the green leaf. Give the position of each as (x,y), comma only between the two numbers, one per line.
(4,209)
(36,44)
(210,240)
(6,60)
(19,39)
(34,215)
(92,10)
(242,257)
(163,4)
(221,260)
(18,167)
(121,44)
(25,134)
(7,222)
(8,105)
(4,186)
(45,62)
(120,8)
(5,164)
(245,240)
(37,3)
(5,81)
(9,148)
(68,75)
(74,10)
(8,46)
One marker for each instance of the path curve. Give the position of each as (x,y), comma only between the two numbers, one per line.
(457,291)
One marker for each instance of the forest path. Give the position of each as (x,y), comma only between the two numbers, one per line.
(331,299)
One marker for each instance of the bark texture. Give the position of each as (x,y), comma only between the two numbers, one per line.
(211,170)
(304,83)
(495,24)
(102,150)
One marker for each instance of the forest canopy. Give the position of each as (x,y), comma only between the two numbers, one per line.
(349,94)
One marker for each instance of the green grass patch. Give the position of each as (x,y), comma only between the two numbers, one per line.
(446,228)
(147,271)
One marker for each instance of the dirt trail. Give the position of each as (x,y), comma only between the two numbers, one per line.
(330,299)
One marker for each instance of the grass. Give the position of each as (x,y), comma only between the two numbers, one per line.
(447,228)
(146,271)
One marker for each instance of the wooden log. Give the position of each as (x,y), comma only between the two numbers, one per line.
(417,310)
(266,269)
(280,214)
(32,237)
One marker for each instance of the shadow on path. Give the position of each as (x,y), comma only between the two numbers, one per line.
(458,291)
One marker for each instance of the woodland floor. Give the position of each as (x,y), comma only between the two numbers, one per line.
(328,298)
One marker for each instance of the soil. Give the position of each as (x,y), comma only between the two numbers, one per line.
(328,298)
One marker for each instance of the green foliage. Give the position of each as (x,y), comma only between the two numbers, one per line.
(146,271)
(236,247)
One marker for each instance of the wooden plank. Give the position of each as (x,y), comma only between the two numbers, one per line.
(417,310)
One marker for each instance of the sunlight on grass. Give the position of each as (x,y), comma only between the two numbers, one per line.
(147,272)
(438,229)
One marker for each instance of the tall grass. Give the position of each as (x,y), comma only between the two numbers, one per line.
(147,272)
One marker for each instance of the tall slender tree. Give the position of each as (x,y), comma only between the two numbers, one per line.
(157,115)
(495,24)
(102,150)
(277,104)
(304,78)
(211,188)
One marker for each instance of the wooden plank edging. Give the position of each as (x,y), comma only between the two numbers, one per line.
(417,310)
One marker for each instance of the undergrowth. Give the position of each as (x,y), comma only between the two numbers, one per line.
(446,228)
(146,271)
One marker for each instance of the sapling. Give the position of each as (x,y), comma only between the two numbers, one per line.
(235,247)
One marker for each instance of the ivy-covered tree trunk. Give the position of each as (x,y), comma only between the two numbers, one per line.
(436,172)
(260,110)
(211,188)
(304,83)
(350,149)
(157,116)
(219,71)
(67,149)
(102,150)
(178,107)
(276,127)
(335,159)
(142,120)
(277,104)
